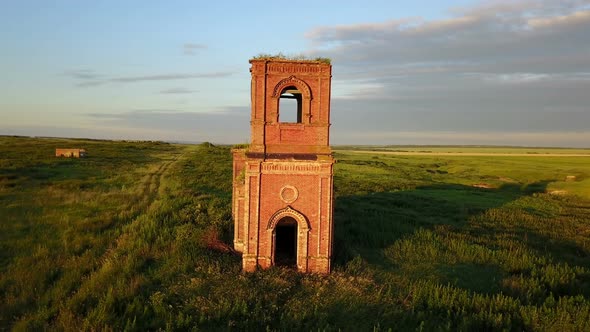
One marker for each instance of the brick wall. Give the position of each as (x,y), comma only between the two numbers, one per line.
(287,169)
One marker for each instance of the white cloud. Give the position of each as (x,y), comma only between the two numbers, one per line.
(579,17)
(478,37)
(517,78)
(177,91)
(494,67)
(87,78)
(192,48)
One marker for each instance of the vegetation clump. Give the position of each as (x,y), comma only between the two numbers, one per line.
(281,56)
(240,146)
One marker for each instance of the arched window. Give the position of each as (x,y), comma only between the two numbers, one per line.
(290,105)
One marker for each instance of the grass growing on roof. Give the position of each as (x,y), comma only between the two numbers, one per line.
(296,57)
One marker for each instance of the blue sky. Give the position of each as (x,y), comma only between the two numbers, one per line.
(429,72)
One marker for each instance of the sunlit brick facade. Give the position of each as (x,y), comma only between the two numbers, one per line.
(283,190)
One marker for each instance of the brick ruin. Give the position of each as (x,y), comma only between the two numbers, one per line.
(283,182)
(73,153)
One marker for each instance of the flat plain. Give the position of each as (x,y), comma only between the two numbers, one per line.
(136,236)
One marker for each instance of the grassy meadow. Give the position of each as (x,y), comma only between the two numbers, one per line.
(134,236)
(468,149)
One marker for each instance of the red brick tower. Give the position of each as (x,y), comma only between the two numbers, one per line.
(283,194)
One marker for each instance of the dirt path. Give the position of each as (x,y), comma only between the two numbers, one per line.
(149,188)
(467,154)
(151,182)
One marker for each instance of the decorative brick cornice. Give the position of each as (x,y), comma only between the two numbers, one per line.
(289,68)
(297,167)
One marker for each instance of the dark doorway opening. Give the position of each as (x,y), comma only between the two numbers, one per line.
(286,242)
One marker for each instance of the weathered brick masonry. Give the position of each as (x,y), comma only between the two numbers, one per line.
(75,153)
(283,191)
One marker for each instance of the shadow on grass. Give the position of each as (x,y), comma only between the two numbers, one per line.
(376,220)
(427,222)
(368,223)
(561,249)
(420,220)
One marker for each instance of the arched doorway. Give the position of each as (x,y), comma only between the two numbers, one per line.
(288,232)
(285,242)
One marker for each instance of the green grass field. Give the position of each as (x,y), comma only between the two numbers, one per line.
(463,149)
(125,240)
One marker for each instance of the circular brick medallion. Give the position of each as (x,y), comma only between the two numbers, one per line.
(289,194)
